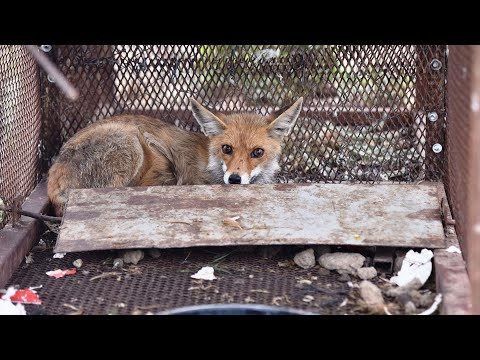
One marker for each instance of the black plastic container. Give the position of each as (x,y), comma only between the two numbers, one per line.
(234,309)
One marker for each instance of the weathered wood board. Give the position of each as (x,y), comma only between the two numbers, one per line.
(183,216)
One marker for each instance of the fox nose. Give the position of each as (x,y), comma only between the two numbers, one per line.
(234,179)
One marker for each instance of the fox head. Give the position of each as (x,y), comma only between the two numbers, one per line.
(244,148)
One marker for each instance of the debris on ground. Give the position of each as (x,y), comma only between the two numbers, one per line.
(117,263)
(78,263)
(232,221)
(324,272)
(433,308)
(6,305)
(344,278)
(305,259)
(308,298)
(454,249)
(154,253)
(410,308)
(23,296)
(76,311)
(59,255)
(415,265)
(61,273)
(205,273)
(29,258)
(372,297)
(414,284)
(133,256)
(367,273)
(343,263)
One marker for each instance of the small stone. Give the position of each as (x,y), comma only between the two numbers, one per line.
(78,263)
(305,259)
(308,298)
(366,273)
(133,256)
(323,271)
(342,262)
(410,308)
(371,294)
(344,278)
(154,253)
(117,263)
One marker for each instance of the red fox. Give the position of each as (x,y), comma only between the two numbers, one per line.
(134,150)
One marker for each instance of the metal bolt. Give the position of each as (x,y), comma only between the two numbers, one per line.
(437,148)
(436,64)
(46,48)
(432,116)
(50,78)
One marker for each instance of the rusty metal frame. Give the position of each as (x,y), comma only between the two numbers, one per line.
(473,203)
(15,243)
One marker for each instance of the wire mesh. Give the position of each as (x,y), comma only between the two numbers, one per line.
(19,124)
(365,115)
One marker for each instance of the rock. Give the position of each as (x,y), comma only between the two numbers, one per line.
(133,256)
(372,296)
(118,263)
(344,278)
(415,284)
(154,253)
(410,308)
(305,259)
(342,262)
(322,271)
(78,263)
(366,273)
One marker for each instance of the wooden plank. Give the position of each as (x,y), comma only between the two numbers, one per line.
(185,216)
(15,243)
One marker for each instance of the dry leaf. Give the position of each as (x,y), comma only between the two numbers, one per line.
(233,222)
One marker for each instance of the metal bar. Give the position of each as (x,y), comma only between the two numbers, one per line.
(33,215)
(430,105)
(70,91)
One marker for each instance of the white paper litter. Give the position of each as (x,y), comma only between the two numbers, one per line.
(453,249)
(205,273)
(266,54)
(431,309)
(7,307)
(59,255)
(415,265)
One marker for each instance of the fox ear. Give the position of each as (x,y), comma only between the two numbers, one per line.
(285,119)
(210,124)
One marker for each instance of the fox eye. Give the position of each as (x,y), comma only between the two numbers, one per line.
(257,153)
(227,149)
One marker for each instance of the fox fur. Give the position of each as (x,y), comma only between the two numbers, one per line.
(135,150)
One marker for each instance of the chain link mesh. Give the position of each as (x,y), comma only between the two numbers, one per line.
(365,107)
(19,124)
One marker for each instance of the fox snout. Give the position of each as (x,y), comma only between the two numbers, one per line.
(233,179)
